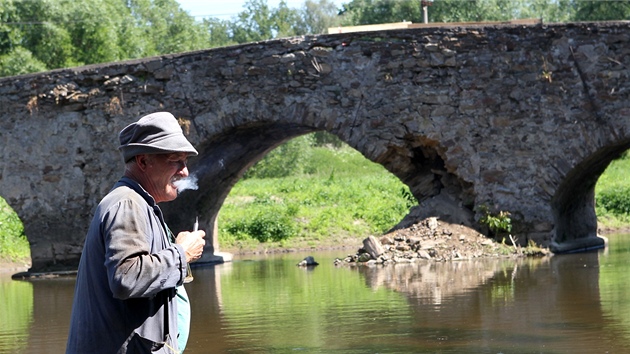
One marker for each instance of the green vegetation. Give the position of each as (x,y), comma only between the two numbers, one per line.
(364,12)
(313,192)
(13,244)
(332,194)
(49,34)
(612,194)
(497,222)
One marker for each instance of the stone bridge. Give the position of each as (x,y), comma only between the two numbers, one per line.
(516,118)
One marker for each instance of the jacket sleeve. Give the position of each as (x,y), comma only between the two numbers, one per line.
(132,270)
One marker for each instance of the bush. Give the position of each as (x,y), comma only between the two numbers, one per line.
(13,243)
(265,226)
(19,61)
(497,222)
(615,201)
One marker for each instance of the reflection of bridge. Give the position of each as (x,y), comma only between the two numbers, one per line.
(496,304)
(523,118)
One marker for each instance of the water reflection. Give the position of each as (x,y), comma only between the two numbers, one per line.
(52,303)
(565,303)
(16,302)
(430,282)
(526,305)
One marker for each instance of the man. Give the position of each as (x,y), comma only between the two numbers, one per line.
(132,269)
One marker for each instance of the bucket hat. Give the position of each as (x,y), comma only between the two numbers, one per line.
(155,133)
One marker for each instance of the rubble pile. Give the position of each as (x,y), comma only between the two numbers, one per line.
(429,239)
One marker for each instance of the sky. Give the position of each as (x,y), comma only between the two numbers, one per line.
(225,10)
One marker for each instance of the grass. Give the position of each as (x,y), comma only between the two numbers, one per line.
(612,195)
(339,195)
(14,246)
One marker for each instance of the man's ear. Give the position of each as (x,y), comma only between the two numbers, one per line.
(142,161)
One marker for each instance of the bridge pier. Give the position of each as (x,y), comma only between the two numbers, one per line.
(579,245)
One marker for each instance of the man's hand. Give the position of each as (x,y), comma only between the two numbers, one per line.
(193,243)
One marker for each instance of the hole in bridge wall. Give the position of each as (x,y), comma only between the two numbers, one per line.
(14,246)
(313,189)
(441,194)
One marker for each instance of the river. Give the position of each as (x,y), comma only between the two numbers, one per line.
(578,303)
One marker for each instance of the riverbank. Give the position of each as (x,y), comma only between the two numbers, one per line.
(442,241)
(8,267)
(429,239)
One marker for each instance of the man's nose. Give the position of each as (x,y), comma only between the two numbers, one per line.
(184,170)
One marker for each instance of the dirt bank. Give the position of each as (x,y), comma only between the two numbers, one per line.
(9,267)
(440,240)
(430,238)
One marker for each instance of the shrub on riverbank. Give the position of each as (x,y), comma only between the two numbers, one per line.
(612,195)
(14,246)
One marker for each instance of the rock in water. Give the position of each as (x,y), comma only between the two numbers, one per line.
(373,247)
(308,262)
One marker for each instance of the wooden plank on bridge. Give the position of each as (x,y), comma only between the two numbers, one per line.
(408,25)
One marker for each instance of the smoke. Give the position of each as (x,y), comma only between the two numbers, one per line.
(189,182)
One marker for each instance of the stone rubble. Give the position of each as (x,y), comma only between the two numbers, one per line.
(432,240)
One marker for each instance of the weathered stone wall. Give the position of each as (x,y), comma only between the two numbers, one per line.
(518,118)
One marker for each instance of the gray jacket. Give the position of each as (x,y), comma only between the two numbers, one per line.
(124,299)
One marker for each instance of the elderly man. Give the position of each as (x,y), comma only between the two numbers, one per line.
(130,277)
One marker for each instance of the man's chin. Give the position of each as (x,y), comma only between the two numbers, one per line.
(172,194)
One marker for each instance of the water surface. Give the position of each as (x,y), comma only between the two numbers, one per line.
(266,304)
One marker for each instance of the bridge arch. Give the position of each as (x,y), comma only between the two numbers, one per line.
(573,204)
(225,157)
(514,116)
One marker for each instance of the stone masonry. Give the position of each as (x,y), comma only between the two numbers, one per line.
(515,118)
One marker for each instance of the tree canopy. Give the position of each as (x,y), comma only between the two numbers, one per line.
(363,12)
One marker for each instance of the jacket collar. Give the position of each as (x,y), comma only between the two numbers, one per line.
(128,182)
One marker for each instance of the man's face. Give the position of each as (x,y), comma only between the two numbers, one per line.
(162,171)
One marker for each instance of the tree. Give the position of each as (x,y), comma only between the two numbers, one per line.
(254,24)
(601,10)
(259,22)
(366,12)
(94,26)
(363,12)
(550,11)
(218,32)
(320,15)
(287,22)
(9,32)
(50,34)
(19,61)
(166,28)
